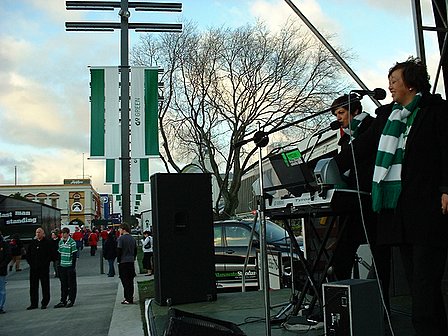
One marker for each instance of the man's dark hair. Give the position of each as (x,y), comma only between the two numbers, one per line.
(343,101)
(125,226)
(65,230)
(415,74)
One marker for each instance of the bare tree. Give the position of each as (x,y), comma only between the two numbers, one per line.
(219,84)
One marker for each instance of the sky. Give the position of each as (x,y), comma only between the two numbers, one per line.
(44,75)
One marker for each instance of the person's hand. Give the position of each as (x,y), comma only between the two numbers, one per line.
(444,202)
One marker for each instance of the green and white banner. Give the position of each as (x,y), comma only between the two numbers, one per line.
(104,117)
(144,112)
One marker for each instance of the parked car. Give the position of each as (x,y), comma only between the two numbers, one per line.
(232,238)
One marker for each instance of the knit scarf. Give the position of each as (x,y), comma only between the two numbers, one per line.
(386,187)
(353,127)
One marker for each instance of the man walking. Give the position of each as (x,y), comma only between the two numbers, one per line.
(39,256)
(67,269)
(126,253)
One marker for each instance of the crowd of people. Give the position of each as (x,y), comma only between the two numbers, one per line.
(62,249)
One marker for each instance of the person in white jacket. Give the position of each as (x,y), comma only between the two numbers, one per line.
(147,253)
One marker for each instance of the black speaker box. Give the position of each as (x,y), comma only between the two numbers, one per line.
(181,323)
(184,266)
(353,307)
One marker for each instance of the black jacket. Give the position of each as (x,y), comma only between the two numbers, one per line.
(40,253)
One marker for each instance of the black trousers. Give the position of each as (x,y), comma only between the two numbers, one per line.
(41,274)
(424,267)
(126,272)
(67,276)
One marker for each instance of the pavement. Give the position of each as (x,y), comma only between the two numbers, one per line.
(97,311)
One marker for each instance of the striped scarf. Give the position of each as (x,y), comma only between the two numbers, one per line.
(386,187)
(354,124)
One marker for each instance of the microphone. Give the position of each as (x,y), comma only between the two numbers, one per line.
(334,125)
(378,93)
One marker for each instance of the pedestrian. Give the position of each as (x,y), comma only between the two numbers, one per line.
(67,269)
(126,253)
(93,242)
(147,252)
(110,252)
(78,237)
(55,244)
(16,246)
(39,256)
(104,234)
(5,258)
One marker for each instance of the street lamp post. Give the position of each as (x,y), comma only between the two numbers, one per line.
(124,26)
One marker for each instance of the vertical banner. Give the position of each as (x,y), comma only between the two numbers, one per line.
(144,112)
(104,113)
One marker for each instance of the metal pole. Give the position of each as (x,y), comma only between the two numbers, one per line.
(264,259)
(125,159)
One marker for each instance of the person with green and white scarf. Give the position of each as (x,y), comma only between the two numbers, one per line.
(408,145)
(354,122)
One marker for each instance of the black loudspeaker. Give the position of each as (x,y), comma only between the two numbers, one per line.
(353,307)
(184,257)
(181,323)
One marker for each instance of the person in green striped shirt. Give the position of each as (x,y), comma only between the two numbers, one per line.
(67,269)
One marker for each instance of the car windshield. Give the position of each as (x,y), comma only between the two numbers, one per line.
(275,234)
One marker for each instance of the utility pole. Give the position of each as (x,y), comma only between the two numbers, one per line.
(124,26)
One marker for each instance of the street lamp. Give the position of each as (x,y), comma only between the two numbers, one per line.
(124,26)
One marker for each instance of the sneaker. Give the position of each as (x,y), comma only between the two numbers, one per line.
(2,311)
(43,307)
(69,304)
(60,305)
(31,307)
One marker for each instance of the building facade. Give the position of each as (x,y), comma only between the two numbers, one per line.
(78,201)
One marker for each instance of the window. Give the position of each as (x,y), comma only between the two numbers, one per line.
(237,236)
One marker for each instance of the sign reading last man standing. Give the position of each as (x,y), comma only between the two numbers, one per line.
(18,217)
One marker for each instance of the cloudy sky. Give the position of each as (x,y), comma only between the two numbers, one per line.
(44,76)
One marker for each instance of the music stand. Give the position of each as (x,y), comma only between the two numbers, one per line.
(293,173)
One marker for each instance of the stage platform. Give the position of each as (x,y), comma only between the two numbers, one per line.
(246,310)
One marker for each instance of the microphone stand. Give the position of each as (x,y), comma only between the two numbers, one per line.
(260,138)
(262,141)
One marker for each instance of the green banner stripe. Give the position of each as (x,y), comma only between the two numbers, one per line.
(110,171)
(141,188)
(115,188)
(144,170)
(97,112)
(151,112)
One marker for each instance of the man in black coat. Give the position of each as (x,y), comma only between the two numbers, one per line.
(39,255)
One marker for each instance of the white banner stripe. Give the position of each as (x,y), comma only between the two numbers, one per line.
(137,112)
(112,108)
